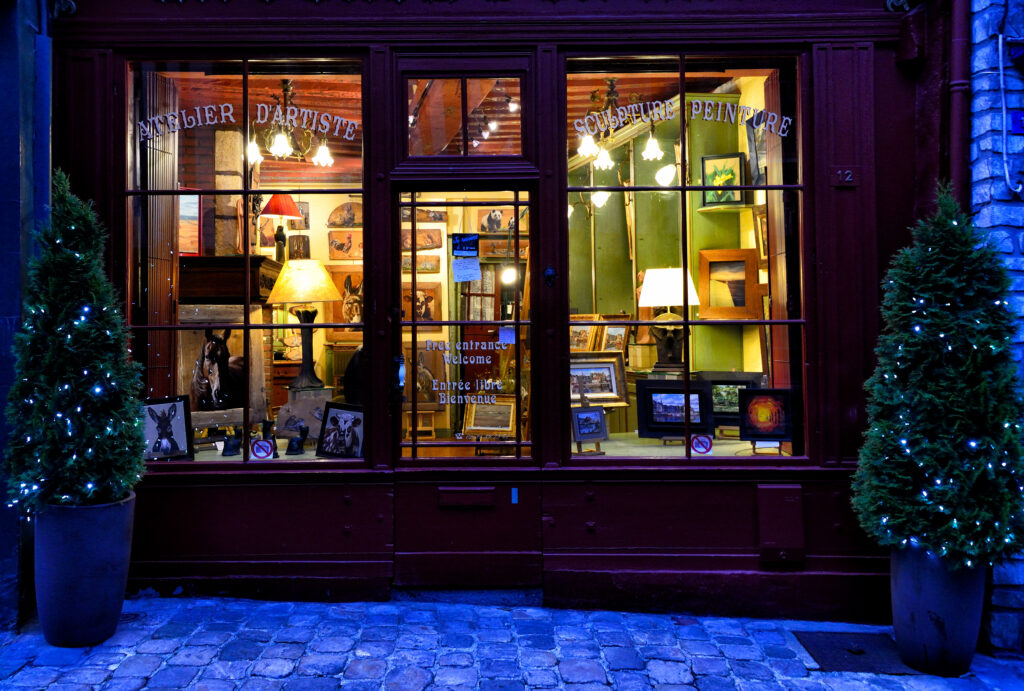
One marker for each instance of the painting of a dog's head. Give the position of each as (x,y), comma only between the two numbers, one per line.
(348,310)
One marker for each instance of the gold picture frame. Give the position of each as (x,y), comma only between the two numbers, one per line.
(497,419)
(601,377)
(583,337)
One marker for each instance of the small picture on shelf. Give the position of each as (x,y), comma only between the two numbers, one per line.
(342,433)
(725,393)
(725,170)
(168,429)
(498,220)
(727,285)
(589,424)
(491,419)
(425,264)
(300,223)
(663,406)
(426,238)
(345,244)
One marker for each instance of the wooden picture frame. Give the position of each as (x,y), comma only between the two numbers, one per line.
(168,425)
(498,219)
(766,414)
(614,337)
(300,223)
(349,310)
(429,236)
(601,377)
(341,432)
(346,215)
(499,247)
(722,170)
(424,214)
(268,227)
(728,287)
(589,424)
(425,264)
(662,406)
(760,216)
(345,244)
(427,306)
(583,337)
(496,419)
(190,224)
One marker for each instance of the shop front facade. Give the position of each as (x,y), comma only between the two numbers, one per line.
(577,297)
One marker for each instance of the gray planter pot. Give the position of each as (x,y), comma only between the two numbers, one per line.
(936,613)
(82,555)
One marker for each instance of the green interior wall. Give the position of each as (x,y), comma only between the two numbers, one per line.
(657,227)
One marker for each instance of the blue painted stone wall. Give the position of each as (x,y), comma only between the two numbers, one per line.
(1000,212)
(24,188)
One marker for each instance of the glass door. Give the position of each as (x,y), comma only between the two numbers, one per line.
(465,341)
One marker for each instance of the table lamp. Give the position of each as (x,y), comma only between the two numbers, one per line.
(304,281)
(281,206)
(664,288)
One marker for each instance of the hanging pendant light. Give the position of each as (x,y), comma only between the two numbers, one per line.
(587,147)
(323,156)
(281,148)
(600,198)
(254,152)
(604,161)
(665,175)
(652,152)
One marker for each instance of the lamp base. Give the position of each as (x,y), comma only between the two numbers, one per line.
(306,378)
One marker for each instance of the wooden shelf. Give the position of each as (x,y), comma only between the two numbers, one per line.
(724,208)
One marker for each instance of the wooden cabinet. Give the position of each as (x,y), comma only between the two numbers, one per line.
(283,373)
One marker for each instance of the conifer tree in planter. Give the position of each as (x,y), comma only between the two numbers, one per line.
(76,442)
(941,475)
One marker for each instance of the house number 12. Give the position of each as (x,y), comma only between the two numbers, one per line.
(844,176)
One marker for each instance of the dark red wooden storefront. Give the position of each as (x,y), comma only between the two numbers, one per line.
(773,537)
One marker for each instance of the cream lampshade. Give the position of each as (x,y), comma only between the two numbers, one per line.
(304,281)
(664,288)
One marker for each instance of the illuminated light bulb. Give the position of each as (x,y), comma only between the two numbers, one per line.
(492,125)
(665,175)
(412,120)
(513,106)
(652,152)
(570,211)
(509,275)
(600,198)
(475,143)
(254,152)
(604,161)
(486,134)
(281,148)
(323,157)
(587,147)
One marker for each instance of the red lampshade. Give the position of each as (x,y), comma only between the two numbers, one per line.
(282,206)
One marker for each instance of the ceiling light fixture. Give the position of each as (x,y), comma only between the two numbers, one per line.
(604,161)
(600,198)
(652,152)
(283,140)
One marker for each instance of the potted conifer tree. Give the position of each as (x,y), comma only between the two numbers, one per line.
(941,478)
(76,445)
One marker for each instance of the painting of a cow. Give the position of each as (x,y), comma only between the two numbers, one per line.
(342,433)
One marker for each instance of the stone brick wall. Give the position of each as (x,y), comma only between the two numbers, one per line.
(1001,213)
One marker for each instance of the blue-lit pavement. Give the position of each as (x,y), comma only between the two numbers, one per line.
(220,644)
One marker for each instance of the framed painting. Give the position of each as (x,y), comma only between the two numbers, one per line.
(760,213)
(589,424)
(497,219)
(600,377)
(190,224)
(345,244)
(497,419)
(614,337)
(168,429)
(346,215)
(766,414)
(583,337)
(423,307)
(300,223)
(725,393)
(500,247)
(427,238)
(423,214)
(341,434)
(268,227)
(348,310)
(670,407)
(724,170)
(728,284)
(424,380)
(425,264)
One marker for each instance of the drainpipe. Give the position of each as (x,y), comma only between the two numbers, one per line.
(960,101)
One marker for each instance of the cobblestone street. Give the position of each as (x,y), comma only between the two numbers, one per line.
(220,644)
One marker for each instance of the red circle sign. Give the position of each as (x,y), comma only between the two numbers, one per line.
(700,443)
(262,448)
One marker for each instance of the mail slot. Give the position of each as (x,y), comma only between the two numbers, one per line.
(465,496)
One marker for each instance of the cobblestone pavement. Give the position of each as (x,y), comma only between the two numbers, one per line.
(215,644)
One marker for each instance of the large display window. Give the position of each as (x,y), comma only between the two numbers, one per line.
(684,268)
(247,238)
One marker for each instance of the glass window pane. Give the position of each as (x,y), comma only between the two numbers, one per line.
(495,117)
(435,117)
(306,127)
(186,126)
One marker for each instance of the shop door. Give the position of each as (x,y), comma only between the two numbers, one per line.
(465,343)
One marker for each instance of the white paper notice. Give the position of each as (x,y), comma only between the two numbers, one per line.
(465,269)
(507,335)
